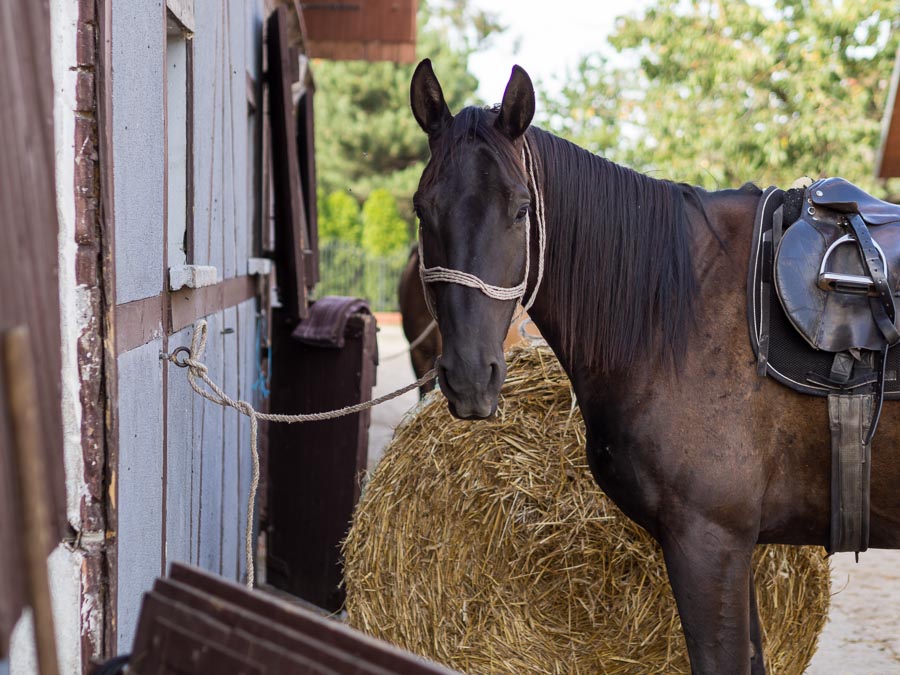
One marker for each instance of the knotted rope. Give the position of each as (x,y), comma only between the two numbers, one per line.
(198,376)
(436,274)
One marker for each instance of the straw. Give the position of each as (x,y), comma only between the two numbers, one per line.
(489,548)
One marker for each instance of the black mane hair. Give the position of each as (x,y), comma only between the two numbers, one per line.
(618,262)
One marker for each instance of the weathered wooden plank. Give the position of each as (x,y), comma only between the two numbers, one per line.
(210,443)
(290,227)
(367,652)
(181,516)
(217,170)
(206,112)
(230,505)
(138,98)
(229,243)
(140,480)
(309,515)
(177,154)
(29,292)
(247,356)
(240,149)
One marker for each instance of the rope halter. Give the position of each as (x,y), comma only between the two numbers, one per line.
(431,275)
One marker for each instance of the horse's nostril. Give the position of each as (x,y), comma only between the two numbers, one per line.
(496,374)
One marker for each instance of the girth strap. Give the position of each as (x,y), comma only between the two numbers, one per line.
(849,417)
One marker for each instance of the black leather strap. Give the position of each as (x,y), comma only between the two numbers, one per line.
(882,304)
(849,418)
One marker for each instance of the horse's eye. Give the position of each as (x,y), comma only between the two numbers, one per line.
(523,211)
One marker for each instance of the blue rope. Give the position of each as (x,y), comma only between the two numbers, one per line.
(262,378)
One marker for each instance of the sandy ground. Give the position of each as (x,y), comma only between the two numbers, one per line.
(862,636)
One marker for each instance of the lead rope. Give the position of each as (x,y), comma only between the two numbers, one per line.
(197,370)
(430,275)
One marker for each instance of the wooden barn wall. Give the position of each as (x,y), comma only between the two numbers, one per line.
(183,463)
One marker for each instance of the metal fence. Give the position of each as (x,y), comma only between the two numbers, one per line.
(348,269)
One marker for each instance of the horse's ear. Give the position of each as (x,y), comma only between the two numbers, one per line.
(427,99)
(517,108)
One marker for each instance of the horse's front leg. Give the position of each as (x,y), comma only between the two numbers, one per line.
(757,658)
(709,569)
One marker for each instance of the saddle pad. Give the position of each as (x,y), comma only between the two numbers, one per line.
(790,358)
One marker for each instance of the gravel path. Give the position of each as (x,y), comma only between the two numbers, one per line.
(862,636)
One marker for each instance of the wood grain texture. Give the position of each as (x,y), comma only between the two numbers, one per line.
(309,514)
(231,507)
(290,221)
(211,420)
(140,507)
(181,514)
(138,130)
(28,263)
(247,357)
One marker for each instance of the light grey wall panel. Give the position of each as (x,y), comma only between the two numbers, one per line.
(138,46)
(230,485)
(208,44)
(209,417)
(241,154)
(139,481)
(182,518)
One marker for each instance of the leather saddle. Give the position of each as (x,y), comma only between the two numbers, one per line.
(835,278)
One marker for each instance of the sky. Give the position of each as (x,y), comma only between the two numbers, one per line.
(551,36)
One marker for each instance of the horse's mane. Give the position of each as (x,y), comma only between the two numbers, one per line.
(618,263)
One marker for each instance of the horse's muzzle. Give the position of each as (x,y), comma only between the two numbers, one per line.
(471,390)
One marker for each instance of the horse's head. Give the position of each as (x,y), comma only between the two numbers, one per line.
(473,202)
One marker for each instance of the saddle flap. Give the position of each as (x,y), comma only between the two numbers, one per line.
(840,317)
(841,195)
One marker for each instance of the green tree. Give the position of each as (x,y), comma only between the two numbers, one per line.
(366,137)
(719,92)
(384,231)
(339,217)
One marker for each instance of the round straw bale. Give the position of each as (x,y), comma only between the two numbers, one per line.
(489,548)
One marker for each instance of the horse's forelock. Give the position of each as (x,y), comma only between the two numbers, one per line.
(469,126)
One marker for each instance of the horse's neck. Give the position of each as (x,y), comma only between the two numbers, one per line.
(719,222)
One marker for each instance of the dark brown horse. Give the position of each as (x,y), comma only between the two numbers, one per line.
(423,336)
(643,301)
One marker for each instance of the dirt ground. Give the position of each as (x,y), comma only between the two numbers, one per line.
(862,636)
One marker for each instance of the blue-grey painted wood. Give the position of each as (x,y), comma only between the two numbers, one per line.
(216,225)
(246,312)
(207,123)
(209,417)
(139,481)
(230,505)
(182,514)
(138,141)
(240,149)
(226,83)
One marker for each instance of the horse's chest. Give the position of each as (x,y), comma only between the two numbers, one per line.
(629,484)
